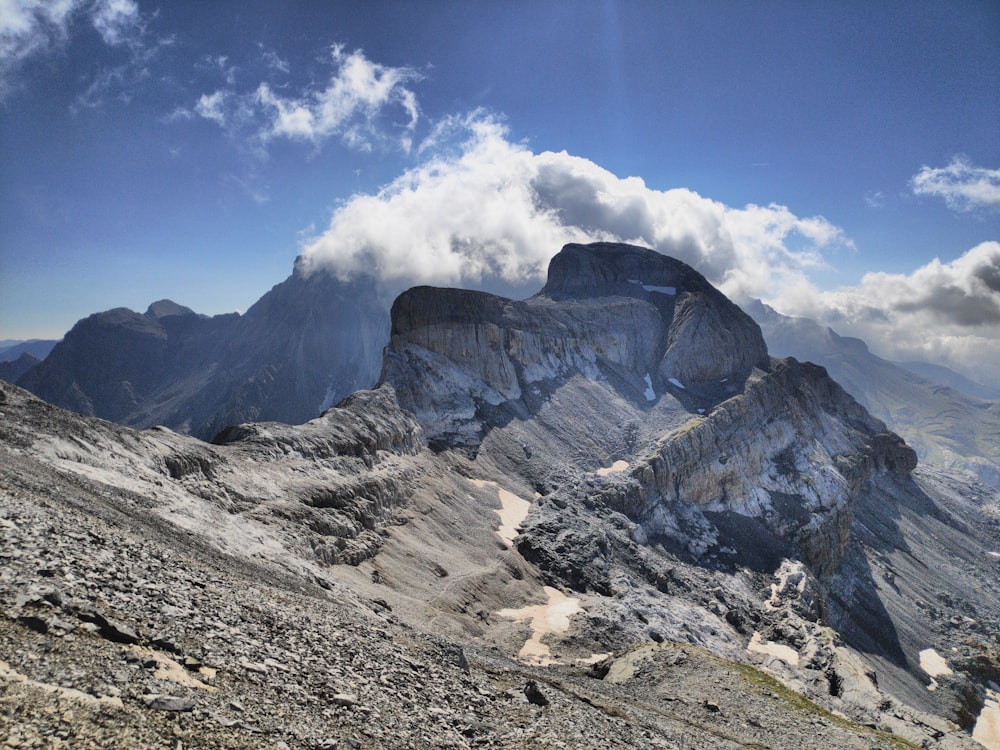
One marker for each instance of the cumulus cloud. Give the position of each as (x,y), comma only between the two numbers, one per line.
(962,185)
(481,207)
(941,312)
(357,104)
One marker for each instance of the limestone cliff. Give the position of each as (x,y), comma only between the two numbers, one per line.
(776,443)
(466,361)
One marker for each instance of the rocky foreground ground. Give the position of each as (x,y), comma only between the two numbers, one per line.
(119,630)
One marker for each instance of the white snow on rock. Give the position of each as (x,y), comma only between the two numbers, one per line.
(671,290)
(650,393)
(513,510)
(987,729)
(787,654)
(551,617)
(676,382)
(933,664)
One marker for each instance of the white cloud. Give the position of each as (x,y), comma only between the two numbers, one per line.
(32,29)
(481,207)
(963,186)
(210,106)
(355,105)
(875,199)
(941,312)
(29,28)
(117,21)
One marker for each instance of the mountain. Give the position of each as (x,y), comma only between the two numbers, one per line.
(600,517)
(13,369)
(944,425)
(952,379)
(305,344)
(11,350)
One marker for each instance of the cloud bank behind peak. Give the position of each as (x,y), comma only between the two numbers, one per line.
(481,208)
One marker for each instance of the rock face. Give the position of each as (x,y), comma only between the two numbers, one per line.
(943,424)
(304,345)
(808,447)
(464,361)
(781,444)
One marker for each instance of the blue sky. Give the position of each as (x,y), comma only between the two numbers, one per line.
(840,160)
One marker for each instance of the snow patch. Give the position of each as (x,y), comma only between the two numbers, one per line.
(650,393)
(671,290)
(616,467)
(513,511)
(676,382)
(933,663)
(987,729)
(787,654)
(551,617)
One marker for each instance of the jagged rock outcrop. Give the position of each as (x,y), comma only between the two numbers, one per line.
(464,361)
(304,345)
(944,425)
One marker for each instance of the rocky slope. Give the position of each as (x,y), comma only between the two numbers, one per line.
(304,345)
(944,425)
(528,535)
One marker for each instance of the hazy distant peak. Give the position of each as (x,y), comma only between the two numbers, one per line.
(165,307)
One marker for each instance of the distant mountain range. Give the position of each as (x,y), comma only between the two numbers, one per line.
(12,349)
(941,414)
(305,344)
(313,339)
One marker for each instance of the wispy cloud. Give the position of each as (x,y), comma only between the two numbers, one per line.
(30,30)
(118,22)
(359,104)
(212,107)
(962,185)
(875,199)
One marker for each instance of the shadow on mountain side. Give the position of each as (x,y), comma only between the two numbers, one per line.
(857,612)
(752,544)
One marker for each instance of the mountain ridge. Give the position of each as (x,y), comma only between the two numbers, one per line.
(306,343)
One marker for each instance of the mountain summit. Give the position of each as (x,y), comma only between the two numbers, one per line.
(307,343)
(464,361)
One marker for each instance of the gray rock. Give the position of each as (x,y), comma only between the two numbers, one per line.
(158,702)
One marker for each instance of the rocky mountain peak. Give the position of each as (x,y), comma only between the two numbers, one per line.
(600,269)
(648,323)
(165,308)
